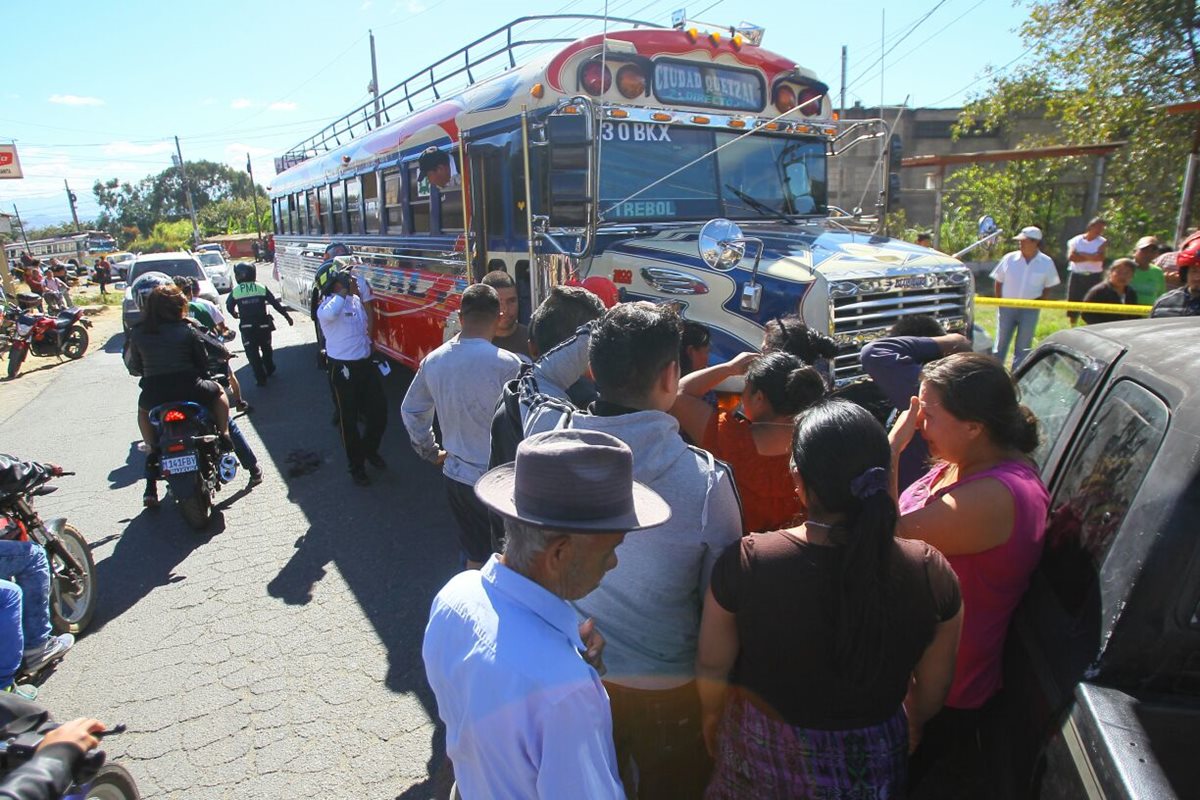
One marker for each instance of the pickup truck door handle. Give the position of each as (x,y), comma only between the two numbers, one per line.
(672,281)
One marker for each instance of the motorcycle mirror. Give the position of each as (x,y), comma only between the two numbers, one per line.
(987,225)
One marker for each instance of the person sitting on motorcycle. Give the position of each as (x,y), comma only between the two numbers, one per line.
(206,314)
(59,756)
(34,276)
(172,359)
(27,642)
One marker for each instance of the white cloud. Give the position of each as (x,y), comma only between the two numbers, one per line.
(125,149)
(75,100)
(241,102)
(416,6)
(366,6)
(282,105)
(208,101)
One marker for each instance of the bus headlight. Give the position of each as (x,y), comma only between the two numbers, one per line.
(785,99)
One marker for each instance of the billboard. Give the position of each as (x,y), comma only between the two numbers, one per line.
(10,165)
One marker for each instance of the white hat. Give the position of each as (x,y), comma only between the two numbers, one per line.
(1030,233)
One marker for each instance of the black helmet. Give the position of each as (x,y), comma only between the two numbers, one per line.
(146,284)
(333,278)
(335,249)
(244,272)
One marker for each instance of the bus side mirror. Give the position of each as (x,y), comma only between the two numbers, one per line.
(569,140)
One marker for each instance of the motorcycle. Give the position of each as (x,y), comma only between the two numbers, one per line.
(63,335)
(94,779)
(190,459)
(72,570)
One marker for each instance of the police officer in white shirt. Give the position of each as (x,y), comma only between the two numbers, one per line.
(1024,274)
(354,376)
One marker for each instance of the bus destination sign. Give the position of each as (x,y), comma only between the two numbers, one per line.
(709,85)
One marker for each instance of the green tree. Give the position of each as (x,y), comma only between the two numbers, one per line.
(233,215)
(161,198)
(1100,68)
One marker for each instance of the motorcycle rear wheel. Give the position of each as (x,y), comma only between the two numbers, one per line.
(76,343)
(196,509)
(113,782)
(71,611)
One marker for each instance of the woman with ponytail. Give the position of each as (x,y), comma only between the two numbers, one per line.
(838,636)
(756,441)
(983,505)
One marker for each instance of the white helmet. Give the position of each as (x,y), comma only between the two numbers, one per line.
(145,284)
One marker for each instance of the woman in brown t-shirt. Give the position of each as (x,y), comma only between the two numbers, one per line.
(829,632)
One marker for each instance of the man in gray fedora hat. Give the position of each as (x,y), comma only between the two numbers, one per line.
(515,674)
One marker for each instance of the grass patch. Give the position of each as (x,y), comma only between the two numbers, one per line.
(113,298)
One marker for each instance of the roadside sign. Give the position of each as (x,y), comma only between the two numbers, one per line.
(10,165)
(5,223)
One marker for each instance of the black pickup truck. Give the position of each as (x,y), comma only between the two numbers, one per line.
(1102,665)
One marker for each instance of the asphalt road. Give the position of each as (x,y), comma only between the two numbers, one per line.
(278,654)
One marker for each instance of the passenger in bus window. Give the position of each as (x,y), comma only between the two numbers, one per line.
(434,166)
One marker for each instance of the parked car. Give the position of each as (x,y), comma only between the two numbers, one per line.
(219,271)
(172,264)
(121,262)
(1102,665)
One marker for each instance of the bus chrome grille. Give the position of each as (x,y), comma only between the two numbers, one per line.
(858,319)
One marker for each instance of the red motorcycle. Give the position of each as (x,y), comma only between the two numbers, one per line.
(30,330)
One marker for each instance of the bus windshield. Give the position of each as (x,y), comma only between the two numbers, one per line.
(759,176)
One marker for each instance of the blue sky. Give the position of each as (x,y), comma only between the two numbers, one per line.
(98,90)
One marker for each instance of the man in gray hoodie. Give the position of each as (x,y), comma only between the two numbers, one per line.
(649,606)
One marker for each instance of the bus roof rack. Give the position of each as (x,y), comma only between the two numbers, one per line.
(423,86)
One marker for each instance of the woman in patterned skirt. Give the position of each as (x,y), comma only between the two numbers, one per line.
(822,644)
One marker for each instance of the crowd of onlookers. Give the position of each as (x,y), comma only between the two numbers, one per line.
(729,580)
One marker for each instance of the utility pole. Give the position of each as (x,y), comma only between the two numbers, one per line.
(374,87)
(187,191)
(254,196)
(24,238)
(71,199)
(842,117)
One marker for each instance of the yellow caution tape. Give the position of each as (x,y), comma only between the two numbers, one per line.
(1063,305)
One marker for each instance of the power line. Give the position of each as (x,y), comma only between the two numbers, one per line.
(929,38)
(983,77)
(896,44)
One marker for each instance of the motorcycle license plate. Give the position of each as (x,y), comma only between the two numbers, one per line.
(178,464)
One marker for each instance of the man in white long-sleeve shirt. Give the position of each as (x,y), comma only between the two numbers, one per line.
(353,375)
(460,382)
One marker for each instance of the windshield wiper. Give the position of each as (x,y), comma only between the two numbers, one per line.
(759,205)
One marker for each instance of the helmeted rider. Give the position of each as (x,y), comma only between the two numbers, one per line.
(171,357)
(320,290)
(248,304)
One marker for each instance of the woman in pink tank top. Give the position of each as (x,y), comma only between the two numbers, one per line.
(983,505)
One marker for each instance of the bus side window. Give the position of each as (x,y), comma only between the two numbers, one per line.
(370,193)
(354,204)
(315,223)
(393,217)
(301,213)
(275,216)
(339,207)
(418,202)
(451,207)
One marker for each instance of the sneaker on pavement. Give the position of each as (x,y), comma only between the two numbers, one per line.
(256,476)
(376,461)
(55,648)
(24,691)
(360,477)
(150,498)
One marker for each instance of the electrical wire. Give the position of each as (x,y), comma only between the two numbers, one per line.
(896,44)
(994,73)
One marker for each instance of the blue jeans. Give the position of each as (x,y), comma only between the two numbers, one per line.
(26,564)
(12,641)
(1023,322)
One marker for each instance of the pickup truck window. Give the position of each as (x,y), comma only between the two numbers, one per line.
(1105,473)
(1048,387)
